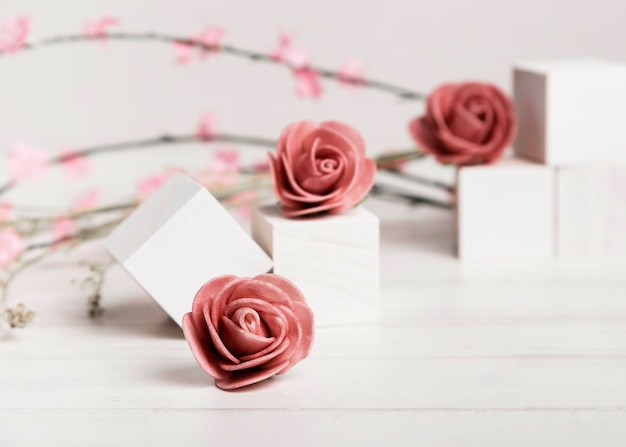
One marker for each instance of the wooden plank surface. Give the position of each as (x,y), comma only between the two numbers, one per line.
(483,353)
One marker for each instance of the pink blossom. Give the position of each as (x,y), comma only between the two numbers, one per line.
(88,200)
(307,83)
(285,42)
(350,73)
(26,163)
(228,158)
(75,165)
(206,127)
(289,53)
(211,37)
(12,245)
(261,166)
(13,33)
(244,201)
(183,52)
(223,168)
(148,185)
(62,227)
(6,210)
(99,27)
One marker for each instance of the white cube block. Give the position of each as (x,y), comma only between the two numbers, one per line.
(333,259)
(505,210)
(591,204)
(570,111)
(180,238)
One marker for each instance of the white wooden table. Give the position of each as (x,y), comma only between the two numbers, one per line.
(484,354)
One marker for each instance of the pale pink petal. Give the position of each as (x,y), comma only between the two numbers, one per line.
(88,200)
(6,210)
(211,37)
(244,201)
(26,163)
(99,27)
(261,166)
(62,227)
(246,378)
(12,245)
(307,83)
(296,57)
(285,41)
(206,127)
(74,164)
(13,33)
(202,350)
(183,52)
(228,159)
(147,185)
(206,294)
(350,73)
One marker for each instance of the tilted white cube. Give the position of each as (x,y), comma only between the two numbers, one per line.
(570,111)
(333,259)
(591,207)
(505,210)
(180,238)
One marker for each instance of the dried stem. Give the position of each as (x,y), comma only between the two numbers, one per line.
(400,92)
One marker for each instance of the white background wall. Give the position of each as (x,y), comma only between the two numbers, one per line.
(79,95)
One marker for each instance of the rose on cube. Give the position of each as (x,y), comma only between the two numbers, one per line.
(320,168)
(465,124)
(245,330)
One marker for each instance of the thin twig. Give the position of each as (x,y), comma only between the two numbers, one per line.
(378,190)
(163,140)
(400,92)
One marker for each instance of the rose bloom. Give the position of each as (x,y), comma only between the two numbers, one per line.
(465,124)
(320,168)
(245,330)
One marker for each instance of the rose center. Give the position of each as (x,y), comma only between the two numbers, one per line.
(249,320)
(327,165)
(478,108)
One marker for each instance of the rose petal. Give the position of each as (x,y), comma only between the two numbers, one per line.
(257,361)
(241,342)
(284,284)
(349,132)
(267,292)
(265,310)
(294,334)
(246,378)
(291,145)
(221,349)
(202,351)
(206,294)
(304,315)
(280,181)
(278,326)
(362,185)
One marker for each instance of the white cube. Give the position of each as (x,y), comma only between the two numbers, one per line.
(570,111)
(333,259)
(180,238)
(505,210)
(591,206)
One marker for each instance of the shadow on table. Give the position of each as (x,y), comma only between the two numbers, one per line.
(138,316)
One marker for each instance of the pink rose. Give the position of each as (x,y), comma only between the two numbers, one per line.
(465,124)
(320,168)
(245,330)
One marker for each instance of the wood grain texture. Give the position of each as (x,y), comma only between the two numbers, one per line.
(333,259)
(479,353)
(591,209)
(505,210)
